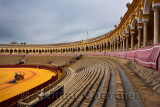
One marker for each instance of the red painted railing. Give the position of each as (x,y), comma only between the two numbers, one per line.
(148,56)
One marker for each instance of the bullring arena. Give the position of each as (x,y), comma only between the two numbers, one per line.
(118,69)
(31,80)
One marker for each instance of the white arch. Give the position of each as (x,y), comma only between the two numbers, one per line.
(123,33)
(140,16)
(127,29)
(133,25)
(147,7)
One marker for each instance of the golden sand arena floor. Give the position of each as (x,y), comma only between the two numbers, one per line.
(32,78)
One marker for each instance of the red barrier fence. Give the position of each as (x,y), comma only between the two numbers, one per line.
(12,102)
(159,64)
(130,55)
(122,54)
(148,56)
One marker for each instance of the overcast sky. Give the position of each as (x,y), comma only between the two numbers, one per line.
(57,21)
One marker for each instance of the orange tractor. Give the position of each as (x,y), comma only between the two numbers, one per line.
(18,76)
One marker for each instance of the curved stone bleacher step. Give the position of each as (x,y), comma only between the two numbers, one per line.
(78,77)
(80,100)
(88,79)
(99,91)
(77,91)
(116,86)
(93,78)
(120,101)
(88,99)
(92,75)
(70,92)
(84,89)
(67,77)
(110,101)
(67,89)
(82,63)
(103,95)
(131,97)
(59,82)
(97,99)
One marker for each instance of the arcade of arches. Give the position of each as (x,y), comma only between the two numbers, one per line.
(138,28)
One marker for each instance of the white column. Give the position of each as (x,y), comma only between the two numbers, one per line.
(156,25)
(145,33)
(117,46)
(127,43)
(132,41)
(107,47)
(101,47)
(114,46)
(139,37)
(123,44)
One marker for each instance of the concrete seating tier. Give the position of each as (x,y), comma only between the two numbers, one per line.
(77,83)
(9,60)
(52,60)
(99,81)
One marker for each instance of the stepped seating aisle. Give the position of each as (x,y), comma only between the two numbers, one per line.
(102,96)
(120,101)
(91,100)
(128,88)
(148,96)
(92,91)
(110,100)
